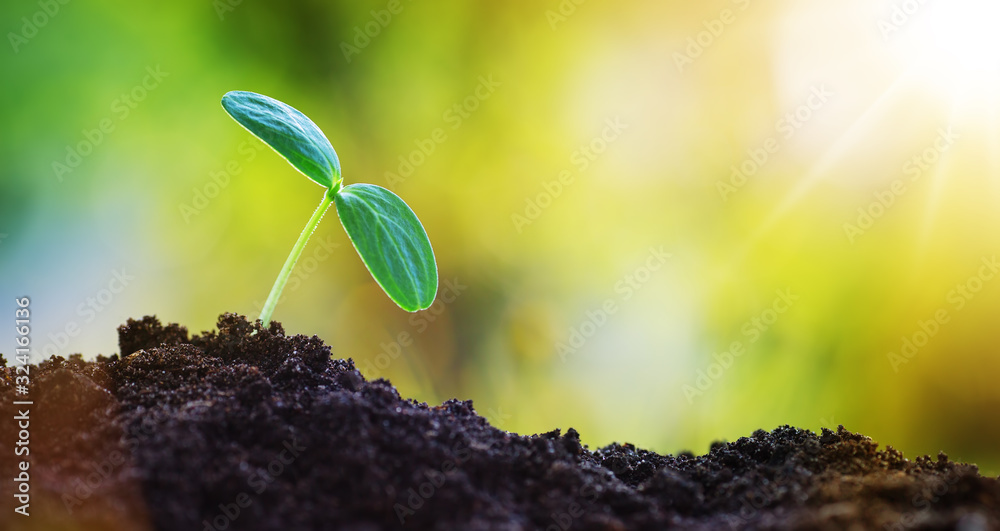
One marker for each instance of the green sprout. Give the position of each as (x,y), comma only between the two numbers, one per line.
(385,232)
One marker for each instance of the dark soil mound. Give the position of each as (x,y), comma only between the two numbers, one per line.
(249,429)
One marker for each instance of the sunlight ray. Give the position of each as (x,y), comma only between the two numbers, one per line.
(993,136)
(814,176)
(937,178)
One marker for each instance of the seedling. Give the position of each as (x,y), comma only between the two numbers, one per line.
(384,231)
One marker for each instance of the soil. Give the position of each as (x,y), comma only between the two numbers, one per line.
(247,428)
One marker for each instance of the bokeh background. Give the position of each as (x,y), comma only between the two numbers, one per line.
(602,266)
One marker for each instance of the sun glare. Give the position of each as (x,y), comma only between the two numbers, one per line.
(954,45)
(966,32)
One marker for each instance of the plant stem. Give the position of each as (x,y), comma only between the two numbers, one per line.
(286,270)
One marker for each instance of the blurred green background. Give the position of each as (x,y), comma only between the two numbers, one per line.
(665,223)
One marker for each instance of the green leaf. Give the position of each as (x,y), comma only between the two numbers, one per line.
(392,244)
(288,131)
